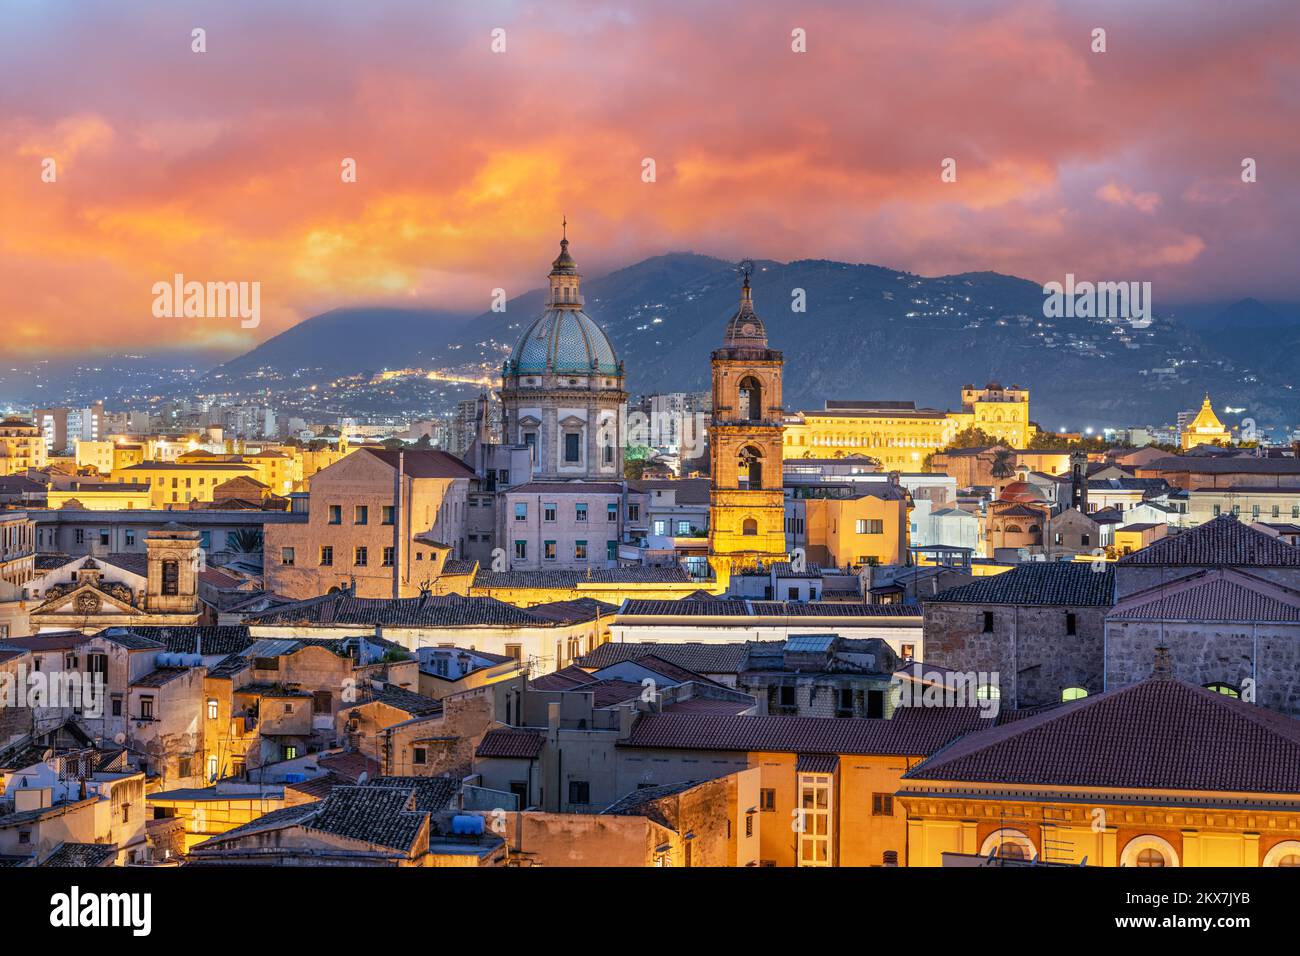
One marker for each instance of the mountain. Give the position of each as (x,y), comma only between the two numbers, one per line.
(346,341)
(868,332)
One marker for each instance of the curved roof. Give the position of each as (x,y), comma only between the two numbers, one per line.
(564,342)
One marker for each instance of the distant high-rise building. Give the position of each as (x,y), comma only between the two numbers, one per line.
(63,427)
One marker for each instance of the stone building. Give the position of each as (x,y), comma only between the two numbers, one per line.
(1158,774)
(562,387)
(747,501)
(1035,631)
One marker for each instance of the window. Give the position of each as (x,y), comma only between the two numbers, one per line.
(117,705)
(515,651)
(611,511)
(1085,539)
(1227,690)
(683,528)
(909,652)
(129,535)
(572,447)
(146,708)
(361,514)
(419,755)
(813,819)
(521,511)
(1073,693)
(327,556)
(521,550)
(389,556)
(988,622)
(767,801)
(361,557)
(171,578)
(386,515)
(870,526)
(548,550)
(336,514)
(286,557)
(290,752)
(660,526)
(1150,857)
(580,511)
(844,702)
(212,767)
(548,511)
(579,791)
(212,709)
(322,702)
(882,804)
(184,766)
(1071,624)
(749,830)
(749,527)
(633,512)
(580,551)
(611,550)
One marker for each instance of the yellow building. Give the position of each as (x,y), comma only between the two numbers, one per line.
(870,527)
(1205,428)
(22,446)
(178,484)
(900,435)
(746,498)
(1049,786)
(102,496)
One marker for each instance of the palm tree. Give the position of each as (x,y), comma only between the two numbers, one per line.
(245,541)
(1004,463)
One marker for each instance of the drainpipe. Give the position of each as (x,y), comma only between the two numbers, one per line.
(398,520)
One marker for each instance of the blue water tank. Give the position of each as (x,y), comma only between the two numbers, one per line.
(295,778)
(463,824)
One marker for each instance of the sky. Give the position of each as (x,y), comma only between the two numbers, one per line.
(226,165)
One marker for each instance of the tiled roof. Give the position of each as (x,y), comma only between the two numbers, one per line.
(453,610)
(911,732)
(424,463)
(383,816)
(566,678)
(432,794)
(511,742)
(1221,541)
(670,671)
(1221,466)
(417,705)
(160,676)
(571,579)
(82,854)
(1069,583)
(129,639)
(60,641)
(607,693)
(708,705)
(737,608)
(1156,734)
(817,763)
(193,638)
(558,488)
(1219,595)
(719,658)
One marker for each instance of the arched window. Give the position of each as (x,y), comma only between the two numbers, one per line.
(1227,690)
(1149,850)
(750,399)
(1286,853)
(751,468)
(1012,529)
(171,578)
(1073,693)
(749,526)
(988,692)
(1009,844)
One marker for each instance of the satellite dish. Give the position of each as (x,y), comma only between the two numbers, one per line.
(119,738)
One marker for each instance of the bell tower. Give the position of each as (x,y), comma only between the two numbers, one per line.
(746,501)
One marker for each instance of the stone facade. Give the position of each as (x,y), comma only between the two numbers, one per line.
(1030,647)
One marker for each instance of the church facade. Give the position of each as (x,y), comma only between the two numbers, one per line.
(747,501)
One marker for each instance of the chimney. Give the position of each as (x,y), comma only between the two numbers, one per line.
(553,719)
(1164,665)
(626,718)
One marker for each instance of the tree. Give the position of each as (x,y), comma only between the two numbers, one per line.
(1004,463)
(972,437)
(245,541)
(633,468)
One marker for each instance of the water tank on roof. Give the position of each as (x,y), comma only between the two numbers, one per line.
(464,824)
(295,778)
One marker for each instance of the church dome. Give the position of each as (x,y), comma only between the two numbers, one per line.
(1019,491)
(564,340)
